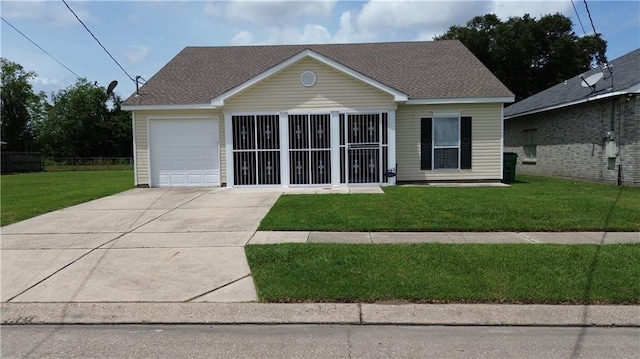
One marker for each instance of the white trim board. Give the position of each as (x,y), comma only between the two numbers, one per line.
(458,100)
(205,106)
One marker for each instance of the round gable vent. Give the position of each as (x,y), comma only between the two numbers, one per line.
(308,78)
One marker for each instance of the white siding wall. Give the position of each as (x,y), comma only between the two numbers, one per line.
(142,142)
(485,149)
(333,91)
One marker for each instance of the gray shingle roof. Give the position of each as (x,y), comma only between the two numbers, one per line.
(422,70)
(626,73)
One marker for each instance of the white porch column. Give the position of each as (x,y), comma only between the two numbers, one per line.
(391,135)
(284,149)
(228,145)
(335,148)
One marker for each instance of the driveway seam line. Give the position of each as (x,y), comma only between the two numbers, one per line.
(94,249)
(218,288)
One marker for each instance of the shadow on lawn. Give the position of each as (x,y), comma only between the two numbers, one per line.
(577,348)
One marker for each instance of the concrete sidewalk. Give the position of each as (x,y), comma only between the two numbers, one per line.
(446,237)
(177,256)
(321,313)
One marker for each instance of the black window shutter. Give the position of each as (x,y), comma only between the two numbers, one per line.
(465,143)
(425,144)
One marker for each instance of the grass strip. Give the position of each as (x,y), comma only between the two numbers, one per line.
(447,273)
(531,204)
(30,194)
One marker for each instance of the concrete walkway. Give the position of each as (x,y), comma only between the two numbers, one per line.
(177,256)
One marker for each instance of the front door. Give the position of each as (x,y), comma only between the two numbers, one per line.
(363,148)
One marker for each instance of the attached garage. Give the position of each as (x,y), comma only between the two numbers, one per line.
(184,152)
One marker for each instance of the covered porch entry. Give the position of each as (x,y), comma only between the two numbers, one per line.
(310,149)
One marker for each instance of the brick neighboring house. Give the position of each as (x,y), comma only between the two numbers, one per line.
(576,131)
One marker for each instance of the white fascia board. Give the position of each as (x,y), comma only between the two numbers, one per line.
(453,100)
(635,89)
(200,106)
(397,95)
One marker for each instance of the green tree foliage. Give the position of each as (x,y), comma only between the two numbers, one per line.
(526,54)
(80,124)
(21,109)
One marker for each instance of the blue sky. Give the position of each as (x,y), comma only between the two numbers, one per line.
(144,35)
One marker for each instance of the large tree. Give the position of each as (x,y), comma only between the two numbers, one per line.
(80,124)
(526,54)
(20,107)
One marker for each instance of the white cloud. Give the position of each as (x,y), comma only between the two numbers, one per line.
(242,38)
(272,13)
(51,13)
(310,34)
(375,20)
(50,85)
(212,8)
(136,54)
(381,17)
(506,9)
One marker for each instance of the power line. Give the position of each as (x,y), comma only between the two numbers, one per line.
(578,16)
(38,46)
(590,19)
(98,41)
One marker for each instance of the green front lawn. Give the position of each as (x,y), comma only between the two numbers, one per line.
(30,194)
(447,273)
(530,204)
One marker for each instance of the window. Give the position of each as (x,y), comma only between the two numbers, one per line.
(530,145)
(446,143)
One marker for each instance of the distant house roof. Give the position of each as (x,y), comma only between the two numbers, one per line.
(623,78)
(421,70)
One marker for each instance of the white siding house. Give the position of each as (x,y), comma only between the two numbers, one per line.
(319,115)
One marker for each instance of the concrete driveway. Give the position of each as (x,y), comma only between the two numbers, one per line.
(143,245)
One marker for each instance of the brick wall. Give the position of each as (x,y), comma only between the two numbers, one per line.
(570,141)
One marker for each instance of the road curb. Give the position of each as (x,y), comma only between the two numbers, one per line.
(322,313)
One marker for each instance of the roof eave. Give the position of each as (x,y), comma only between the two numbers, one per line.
(635,89)
(457,100)
(397,95)
(200,106)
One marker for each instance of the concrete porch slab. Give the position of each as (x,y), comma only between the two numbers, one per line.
(142,275)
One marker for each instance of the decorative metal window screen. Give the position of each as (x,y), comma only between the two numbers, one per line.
(309,149)
(530,145)
(363,148)
(256,149)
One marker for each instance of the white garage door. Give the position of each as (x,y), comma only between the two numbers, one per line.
(184,152)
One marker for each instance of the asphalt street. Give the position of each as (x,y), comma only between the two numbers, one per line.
(316,341)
